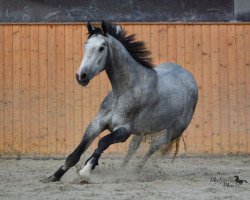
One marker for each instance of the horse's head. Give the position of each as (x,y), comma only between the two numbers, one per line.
(95,54)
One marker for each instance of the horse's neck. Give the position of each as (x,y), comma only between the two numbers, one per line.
(124,72)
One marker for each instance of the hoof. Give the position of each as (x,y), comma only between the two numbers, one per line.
(85,173)
(52,179)
(49,179)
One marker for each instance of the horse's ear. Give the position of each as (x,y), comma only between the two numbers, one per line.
(90,28)
(118,29)
(104,27)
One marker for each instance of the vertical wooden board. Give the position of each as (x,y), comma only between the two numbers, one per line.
(137,30)
(145,36)
(231,53)
(154,45)
(69,88)
(215,77)
(34,69)
(180,42)
(2,103)
(52,90)
(8,77)
(247,64)
(172,48)
(224,103)
(17,128)
(78,128)
(189,62)
(43,90)
(26,121)
(163,43)
(241,87)
(60,84)
(198,74)
(180,59)
(207,102)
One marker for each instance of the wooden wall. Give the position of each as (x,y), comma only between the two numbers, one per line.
(43,111)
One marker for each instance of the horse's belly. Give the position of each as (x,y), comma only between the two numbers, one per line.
(153,121)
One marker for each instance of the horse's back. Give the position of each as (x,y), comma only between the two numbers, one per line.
(170,73)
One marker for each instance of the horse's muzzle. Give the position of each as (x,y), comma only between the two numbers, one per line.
(83,81)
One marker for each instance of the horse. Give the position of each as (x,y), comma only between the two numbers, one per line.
(145,99)
(238,180)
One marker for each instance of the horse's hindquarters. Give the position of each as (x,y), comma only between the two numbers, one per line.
(177,96)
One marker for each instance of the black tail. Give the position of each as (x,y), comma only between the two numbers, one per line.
(245,181)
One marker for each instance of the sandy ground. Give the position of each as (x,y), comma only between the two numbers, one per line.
(186,178)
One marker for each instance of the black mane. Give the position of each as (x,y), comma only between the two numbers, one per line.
(137,49)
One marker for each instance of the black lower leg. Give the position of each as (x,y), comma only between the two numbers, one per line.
(58,174)
(71,160)
(119,135)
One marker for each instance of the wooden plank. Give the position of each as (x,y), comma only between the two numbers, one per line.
(34,64)
(241,87)
(145,31)
(2,103)
(8,96)
(52,91)
(198,74)
(224,93)
(26,121)
(172,49)
(189,62)
(154,45)
(231,53)
(69,88)
(207,105)
(215,74)
(247,64)
(17,68)
(43,90)
(180,41)
(137,30)
(78,128)
(163,43)
(60,90)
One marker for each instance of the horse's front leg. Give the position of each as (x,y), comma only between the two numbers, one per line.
(93,130)
(119,135)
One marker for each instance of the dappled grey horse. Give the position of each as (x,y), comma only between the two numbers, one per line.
(143,100)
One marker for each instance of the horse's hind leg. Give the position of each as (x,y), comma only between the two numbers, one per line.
(133,147)
(170,135)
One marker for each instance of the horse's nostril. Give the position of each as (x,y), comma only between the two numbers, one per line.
(83,76)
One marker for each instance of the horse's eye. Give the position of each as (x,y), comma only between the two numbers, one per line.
(101,49)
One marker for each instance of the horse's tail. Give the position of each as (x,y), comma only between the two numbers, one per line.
(169,147)
(245,181)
